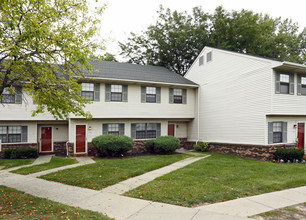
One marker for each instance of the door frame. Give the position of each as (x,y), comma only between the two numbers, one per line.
(174,128)
(86,149)
(52,135)
(297,131)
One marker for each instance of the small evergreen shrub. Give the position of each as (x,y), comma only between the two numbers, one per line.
(201,146)
(20,153)
(113,145)
(289,154)
(166,144)
(150,145)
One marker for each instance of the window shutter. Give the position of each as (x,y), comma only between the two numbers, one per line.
(284,132)
(277,82)
(291,85)
(24,133)
(158,129)
(133,131)
(121,129)
(299,84)
(18,95)
(124,93)
(157,94)
(270,132)
(107,92)
(97,92)
(143,94)
(171,95)
(201,60)
(184,96)
(104,128)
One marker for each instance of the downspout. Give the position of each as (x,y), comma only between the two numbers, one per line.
(199,92)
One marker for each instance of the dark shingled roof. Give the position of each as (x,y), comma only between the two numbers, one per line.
(128,71)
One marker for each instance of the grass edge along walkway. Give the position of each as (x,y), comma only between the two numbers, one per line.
(54,163)
(10,163)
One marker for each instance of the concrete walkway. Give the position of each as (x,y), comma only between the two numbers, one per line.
(110,202)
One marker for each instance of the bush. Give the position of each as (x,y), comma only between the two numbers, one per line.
(20,153)
(201,146)
(166,144)
(113,145)
(150,145)
(289,154)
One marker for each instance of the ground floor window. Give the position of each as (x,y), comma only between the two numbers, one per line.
(13,134)
(145,130)
(277,132)
(113,128)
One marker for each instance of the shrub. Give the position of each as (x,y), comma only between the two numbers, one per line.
(166,144)
(201,146)
(150,145)
(113,145)
(289,154)
(20,153)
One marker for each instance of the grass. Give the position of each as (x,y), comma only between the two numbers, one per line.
(107,172)
(18,205)
(9,163)
(220,178)
(291,212)
(54,163)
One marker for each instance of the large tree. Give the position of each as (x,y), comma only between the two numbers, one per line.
(176,39)
(45,47)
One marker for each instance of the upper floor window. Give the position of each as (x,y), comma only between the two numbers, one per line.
(201,60)
(277,132)
(209,56)
(13,134)
(178,96)
(284,83)
(115,93)
(114,128)
(301,84)
(145,130)
(12,96)
(91,91)
(150,94)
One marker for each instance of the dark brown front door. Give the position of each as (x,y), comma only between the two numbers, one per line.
(301,135)
(80,138)
(170,129)
(46,139)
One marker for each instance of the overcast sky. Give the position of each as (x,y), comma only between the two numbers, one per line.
(124,16)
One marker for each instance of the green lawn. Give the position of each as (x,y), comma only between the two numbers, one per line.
(219,178)
(107,172)
(9,163)
(18,205)
(54,163)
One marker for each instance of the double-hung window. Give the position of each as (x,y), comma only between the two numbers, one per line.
(116,93)
(113,128)
(284,83)
(88,91)
(277,132)
(150,94)
(177,95)
(303,85)
(145,130)
(12,96)
(13,134)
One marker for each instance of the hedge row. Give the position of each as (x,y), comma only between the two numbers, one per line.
(289,154)
(20,153)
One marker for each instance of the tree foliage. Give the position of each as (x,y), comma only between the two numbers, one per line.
(46,46)
(176,39)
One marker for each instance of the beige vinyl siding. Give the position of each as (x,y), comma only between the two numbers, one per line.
(134,108)
(96,126)
(235,96)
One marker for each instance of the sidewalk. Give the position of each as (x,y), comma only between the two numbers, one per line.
(110,202)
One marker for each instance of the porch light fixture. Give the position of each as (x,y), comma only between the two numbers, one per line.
(294,126)
(89,128)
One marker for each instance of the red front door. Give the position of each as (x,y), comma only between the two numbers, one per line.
(46,139)
(301,135)
(170,129)
(80,138)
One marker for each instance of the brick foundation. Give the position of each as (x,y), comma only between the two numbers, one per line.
(17,146)
(258,152)
(60,148)
(186,144)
